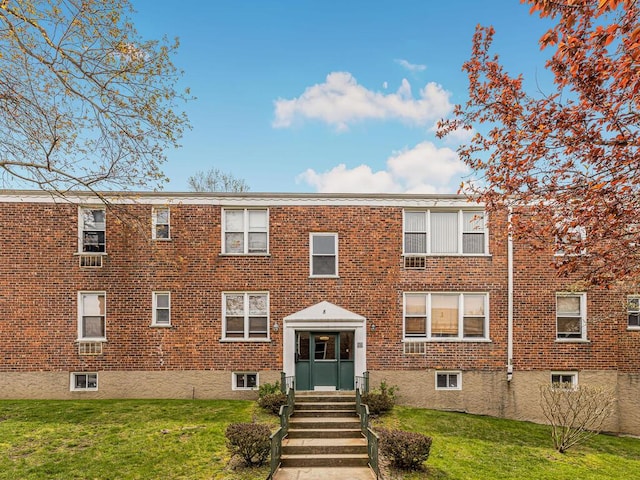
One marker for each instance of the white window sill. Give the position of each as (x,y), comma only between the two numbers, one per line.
(236,389)
(84,390)
(572,340)
(324,276)
(91,254)
(428,255)
(446,339)
(245,340)
(267,254)
(160,325)
(448,389)
(633,329)
(162,239)
(86,340)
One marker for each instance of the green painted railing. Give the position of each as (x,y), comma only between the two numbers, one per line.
(287,386)
(362,386)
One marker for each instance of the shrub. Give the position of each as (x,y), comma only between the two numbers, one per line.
(272,402)
(575,413)
(381,400)
(270,397)
(250,441)
(268,389)
(405,450)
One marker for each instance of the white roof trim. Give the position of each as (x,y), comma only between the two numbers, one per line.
(324,311)
(243,199)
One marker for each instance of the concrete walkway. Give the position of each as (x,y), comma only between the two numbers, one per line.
(324,473)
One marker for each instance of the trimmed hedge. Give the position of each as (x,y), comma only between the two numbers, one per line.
(405,450)
(250,441)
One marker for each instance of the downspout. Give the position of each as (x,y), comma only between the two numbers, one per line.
(509,299)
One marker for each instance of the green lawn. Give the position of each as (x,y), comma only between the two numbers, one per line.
(468,447)
(120,439)
(184,439)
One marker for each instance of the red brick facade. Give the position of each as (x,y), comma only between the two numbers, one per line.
(40,277)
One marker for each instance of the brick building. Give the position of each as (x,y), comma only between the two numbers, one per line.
(208,295)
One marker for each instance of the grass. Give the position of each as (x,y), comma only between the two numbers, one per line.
(176,439)
(121,439)
(469,447)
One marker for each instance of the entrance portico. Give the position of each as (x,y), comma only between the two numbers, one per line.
(324,345)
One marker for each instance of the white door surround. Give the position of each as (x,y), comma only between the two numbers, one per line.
(325,317)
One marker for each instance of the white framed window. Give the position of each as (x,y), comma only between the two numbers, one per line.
(571,316)
(244,381)
(633,312)
(323,253)
(161,309)
(245,231)
(92,230)
(446,316)
(445,232)
(84,382)
(565,380)
(160,219)
(245,316)
(448,380)
(572,242)
(92,316)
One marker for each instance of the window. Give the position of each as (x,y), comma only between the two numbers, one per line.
(435,232)
(245,381)
(245,231)
(91,316)
(454,316)
(84,381)
(572,243)
(246,316)
(571,320)
(161,309)
(448,381)
(633,311)
(92,230)
(568,380)
(160,221)
(324,254)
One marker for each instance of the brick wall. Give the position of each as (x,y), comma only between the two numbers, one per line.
(40,278)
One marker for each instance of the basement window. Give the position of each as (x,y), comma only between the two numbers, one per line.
(84,382)
(448,380)
(244,381)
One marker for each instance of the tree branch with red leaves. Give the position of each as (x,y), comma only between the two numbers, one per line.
(568,161)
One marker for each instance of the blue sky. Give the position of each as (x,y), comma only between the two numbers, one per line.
(331,96)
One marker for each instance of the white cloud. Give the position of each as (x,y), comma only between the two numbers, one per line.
(457,136)
(422,169)
(340,179)
(341,101)
(385,85)
(412,67)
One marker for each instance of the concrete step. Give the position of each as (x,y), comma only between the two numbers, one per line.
(324,422)
(330,460)
(324,432)
(325,413)
(304,397)
(326,406)
(324,446)
(324,473)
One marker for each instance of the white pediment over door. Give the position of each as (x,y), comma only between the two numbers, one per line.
(324,311)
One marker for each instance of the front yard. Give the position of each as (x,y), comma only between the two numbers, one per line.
(184,439)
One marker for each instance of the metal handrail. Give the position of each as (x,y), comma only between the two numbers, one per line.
(287,386)
(362,386)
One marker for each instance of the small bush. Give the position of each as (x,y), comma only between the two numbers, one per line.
(250,441)
(381,400)
(405,450)
(268,389)
(272,402)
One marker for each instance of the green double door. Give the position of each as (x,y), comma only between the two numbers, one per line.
(324,360)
